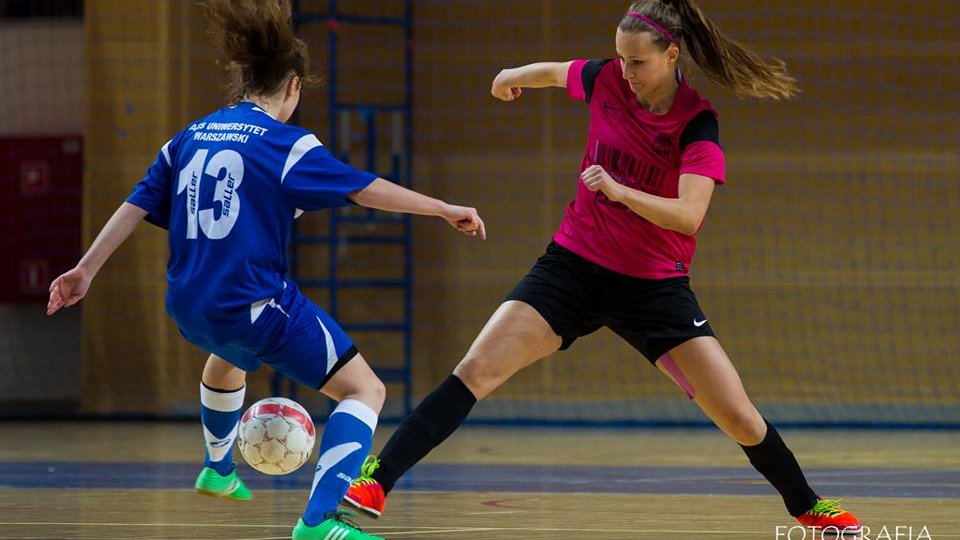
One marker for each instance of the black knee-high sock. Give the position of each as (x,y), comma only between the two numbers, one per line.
(777,464)
(435,419)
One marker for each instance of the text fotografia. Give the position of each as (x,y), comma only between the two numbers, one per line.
(896,532)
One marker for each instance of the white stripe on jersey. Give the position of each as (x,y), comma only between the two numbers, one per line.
(298,150)
(166,152)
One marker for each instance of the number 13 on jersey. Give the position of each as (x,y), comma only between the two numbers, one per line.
(227,167)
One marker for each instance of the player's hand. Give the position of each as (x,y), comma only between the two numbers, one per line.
(597,179)
(465,220)
(68,289)
(502,90)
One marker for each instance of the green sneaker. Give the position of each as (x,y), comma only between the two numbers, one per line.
(209,482)
(335,526)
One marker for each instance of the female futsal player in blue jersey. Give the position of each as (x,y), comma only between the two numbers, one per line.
(228,188)
(622,254)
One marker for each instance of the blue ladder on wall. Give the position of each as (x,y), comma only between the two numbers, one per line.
(341,116)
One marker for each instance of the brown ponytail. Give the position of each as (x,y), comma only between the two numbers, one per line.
(257,37)
(723,60)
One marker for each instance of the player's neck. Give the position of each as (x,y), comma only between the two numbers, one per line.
(660,101)
(269,106)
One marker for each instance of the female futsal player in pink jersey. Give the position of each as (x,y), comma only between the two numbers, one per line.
(621,256)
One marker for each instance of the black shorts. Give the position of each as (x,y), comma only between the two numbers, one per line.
(577,297)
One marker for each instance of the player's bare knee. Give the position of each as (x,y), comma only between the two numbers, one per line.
(746,427)
(480,375)
(222,375)
(369,390)
(377,393)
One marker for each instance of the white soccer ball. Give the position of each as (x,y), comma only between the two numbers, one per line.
(276,435)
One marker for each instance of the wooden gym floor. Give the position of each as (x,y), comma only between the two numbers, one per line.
(109,481)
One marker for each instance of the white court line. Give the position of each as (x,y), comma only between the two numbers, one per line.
(598,531)
(566,529)
(403,530)
(284,537)
(440,531)
(93,524)
(212,525)
(426,530)
(495,512)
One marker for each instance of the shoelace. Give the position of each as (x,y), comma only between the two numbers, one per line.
(342,517)
(827,508)
(370,465)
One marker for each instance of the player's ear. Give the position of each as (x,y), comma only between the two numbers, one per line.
(673,53)
(293,86)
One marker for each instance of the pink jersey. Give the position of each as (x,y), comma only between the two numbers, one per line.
(644,151)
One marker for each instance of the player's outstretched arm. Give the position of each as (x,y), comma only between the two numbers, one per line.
(385,195)
(70,287)
(508,84)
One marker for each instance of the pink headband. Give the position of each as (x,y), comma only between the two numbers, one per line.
(663,31)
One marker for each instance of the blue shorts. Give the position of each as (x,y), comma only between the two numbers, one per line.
(294,336)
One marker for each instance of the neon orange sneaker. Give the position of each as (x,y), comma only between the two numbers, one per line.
(827,515)
(365,493)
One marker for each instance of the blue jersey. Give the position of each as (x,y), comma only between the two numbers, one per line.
(227,188)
